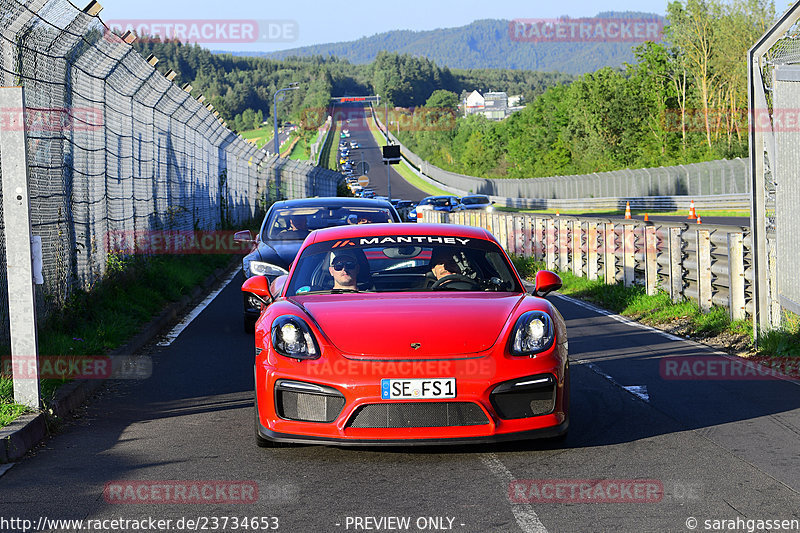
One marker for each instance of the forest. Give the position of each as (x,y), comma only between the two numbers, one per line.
(242,88)
(682,101)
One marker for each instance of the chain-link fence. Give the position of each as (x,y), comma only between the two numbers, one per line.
(774,93)
(696,179)
(114,147)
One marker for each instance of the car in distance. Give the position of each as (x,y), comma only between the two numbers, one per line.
(286,225)
(365,342)
(445,203)
(477,202)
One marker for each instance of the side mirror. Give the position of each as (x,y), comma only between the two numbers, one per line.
(545,283)
(243,236)
(258,286)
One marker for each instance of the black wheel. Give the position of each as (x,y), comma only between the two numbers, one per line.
(249,324)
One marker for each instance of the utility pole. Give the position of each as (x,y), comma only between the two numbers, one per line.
(388,168)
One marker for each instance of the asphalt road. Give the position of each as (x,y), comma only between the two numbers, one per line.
(719,449)
(372,153)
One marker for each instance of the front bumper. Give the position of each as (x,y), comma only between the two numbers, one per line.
(544,433)
(479,381)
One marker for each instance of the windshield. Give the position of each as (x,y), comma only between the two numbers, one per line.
(442,201)
(475,200)
(296,223)
(403,264)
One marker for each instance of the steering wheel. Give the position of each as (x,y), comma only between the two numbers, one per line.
(453,278)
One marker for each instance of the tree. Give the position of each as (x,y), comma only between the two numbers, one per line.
(443,99)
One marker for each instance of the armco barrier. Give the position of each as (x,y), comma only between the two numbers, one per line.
(727,179)
(709,264)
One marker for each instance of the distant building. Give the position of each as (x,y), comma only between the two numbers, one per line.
(493,105)
(474,103)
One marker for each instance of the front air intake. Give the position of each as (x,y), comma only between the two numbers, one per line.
(307,402)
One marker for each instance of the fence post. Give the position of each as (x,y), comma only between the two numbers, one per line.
(609,254)
(577,248)
(650,260)
(628,254)
(527,232)
(19,253)
(675,264)
(591,250)
(736,276)
(550,244)
(538,238)
(563,245)
(704,269)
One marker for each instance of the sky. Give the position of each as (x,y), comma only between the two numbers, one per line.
(291,24)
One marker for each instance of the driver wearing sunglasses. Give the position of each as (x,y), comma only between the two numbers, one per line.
(344,269)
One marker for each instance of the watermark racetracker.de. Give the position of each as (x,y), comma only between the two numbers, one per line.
(77,367)
(585,491)
(595,29)
(40,120)
(208,31)
(170,242)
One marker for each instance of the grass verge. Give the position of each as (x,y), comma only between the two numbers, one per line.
(96,322)
(634,212)
(299,150)
(683,318)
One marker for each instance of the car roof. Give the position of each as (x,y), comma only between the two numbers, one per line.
(374,230)
(332,201)
(475,196)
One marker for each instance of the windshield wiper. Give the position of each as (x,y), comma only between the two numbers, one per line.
(341,291)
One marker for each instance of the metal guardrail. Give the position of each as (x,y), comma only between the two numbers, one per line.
(719,184)
(709,264)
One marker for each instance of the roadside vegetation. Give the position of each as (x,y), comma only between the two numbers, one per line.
(93,323)
(682,101)
(634,212)
(683,318)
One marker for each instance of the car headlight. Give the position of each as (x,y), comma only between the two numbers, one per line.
(489,209)
(259,268)
(532,333)
(291,337)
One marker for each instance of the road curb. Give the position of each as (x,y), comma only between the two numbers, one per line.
(27,431)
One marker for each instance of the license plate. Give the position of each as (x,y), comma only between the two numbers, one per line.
(415,389)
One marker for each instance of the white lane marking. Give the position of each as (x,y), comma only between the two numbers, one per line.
(619,318)
(640,391)
(5,468)
(526,517)
(670,336)
(172,335)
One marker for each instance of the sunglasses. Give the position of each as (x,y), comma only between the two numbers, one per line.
(339,265)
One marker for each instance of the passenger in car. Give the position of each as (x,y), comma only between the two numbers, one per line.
(298,226)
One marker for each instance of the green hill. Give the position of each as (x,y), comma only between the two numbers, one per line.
(481,44)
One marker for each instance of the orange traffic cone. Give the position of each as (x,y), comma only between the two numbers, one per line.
(646,218)
(699,220)
(558,215)
(692,213)
(628,210)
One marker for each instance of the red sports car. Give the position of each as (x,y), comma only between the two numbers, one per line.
(407,334)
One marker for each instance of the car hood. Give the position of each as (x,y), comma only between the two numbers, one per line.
(385,326)
(281,253)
